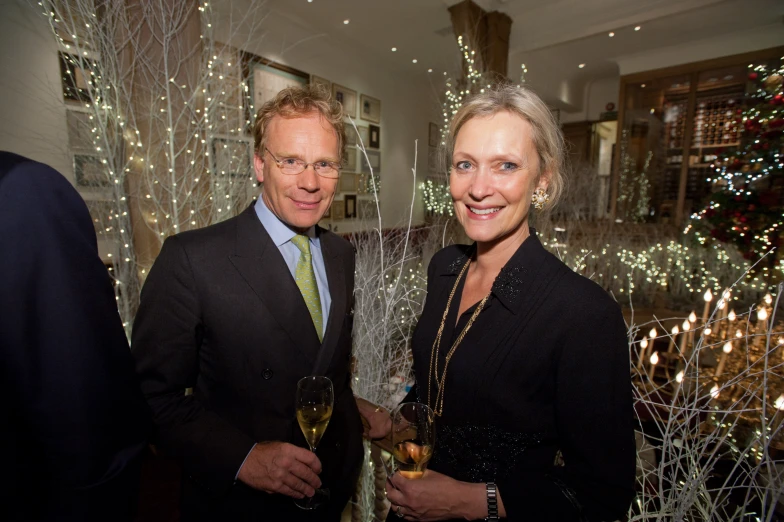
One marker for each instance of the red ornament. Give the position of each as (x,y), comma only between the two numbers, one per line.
(753,76)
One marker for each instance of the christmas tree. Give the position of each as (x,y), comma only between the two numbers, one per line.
(747,208)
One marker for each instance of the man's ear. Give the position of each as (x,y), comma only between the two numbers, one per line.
(258,166)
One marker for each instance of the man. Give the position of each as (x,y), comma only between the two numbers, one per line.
(240,311)
(73,421)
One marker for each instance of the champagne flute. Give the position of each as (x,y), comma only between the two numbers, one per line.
(413,438)
(314,408)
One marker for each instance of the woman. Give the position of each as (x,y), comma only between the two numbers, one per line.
(518,356)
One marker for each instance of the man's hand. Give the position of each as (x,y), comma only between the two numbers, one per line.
(280,467)
(377,422)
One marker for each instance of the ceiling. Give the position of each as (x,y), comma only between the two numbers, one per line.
(552,37)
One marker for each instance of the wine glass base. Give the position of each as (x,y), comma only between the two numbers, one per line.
(310,503)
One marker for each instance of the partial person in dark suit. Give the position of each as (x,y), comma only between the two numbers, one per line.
(240,311)
(73,422)
(519,356)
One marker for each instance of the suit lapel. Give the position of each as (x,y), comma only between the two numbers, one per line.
(337,290)
(262,266)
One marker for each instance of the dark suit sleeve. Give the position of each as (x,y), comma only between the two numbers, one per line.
(594,416)
(65,367)
(167,335)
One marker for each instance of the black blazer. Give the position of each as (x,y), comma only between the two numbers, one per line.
(73,421)
(221,313)
(545,367)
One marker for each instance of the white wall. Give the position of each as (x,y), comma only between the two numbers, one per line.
(596,95)
(33,113)
(408,103)
(31,101)
(716,47)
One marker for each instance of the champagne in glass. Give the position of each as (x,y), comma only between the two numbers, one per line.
(314,402)
(413,438)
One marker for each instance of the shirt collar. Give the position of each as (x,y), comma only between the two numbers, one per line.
(279,232)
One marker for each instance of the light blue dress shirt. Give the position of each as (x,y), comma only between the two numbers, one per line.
(281,235)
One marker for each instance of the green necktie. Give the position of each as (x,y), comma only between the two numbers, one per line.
(306,281)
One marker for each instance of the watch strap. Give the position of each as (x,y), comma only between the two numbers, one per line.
(492,502)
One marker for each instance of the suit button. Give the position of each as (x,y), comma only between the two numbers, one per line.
(267,374)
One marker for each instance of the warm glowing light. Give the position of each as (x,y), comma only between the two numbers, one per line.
(727,347)
(780,402)
(644,343)
(768,299)
(686,325)
(679,376)
(692,317)
(708,296)
(611,34)
(732,315)
(675,330)
(739,334)
(655,358)
(715,391)
(653,333)
(762,314)
(582,65)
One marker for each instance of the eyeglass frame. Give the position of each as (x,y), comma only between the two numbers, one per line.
(334,165)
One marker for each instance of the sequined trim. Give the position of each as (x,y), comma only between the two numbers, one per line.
(480,453)
(509,282)
(457,264)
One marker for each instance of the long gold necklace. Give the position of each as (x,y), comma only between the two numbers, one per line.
(438,406)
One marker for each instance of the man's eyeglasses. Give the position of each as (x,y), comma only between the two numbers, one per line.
(295,166)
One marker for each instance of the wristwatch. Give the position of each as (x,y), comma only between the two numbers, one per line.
(492,502)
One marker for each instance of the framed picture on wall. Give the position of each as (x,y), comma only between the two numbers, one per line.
(375,136)
(353,137)
(367,209)
(351,161)
(432,159)
(374,157)
(79,76)
(348,182)
(338,209)
(80,135)
(90,171)
(370,108)
(266,79)
(351,206)
(433,135)
(347,98)
(231,157)
(318,80)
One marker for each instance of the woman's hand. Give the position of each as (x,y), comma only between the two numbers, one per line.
(376,420)
(436,497)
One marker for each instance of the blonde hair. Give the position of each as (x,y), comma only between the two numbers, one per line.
(522,101)
(292,102)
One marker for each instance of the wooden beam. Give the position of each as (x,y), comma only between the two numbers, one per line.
(616,166)
(499,27)
(687,132)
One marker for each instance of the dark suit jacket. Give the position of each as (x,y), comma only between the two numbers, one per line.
(221,313)
(545,367)
(73,421)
